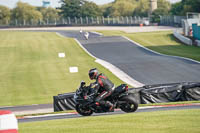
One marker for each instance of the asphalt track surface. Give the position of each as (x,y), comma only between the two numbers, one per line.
(75,115)
(139,63)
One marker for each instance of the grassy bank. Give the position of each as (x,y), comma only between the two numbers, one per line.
(32,73)
(179,121)
(162,42)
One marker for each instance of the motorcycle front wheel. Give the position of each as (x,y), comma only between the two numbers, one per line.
(129,105)
(83,110)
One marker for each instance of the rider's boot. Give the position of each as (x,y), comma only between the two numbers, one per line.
(110,105)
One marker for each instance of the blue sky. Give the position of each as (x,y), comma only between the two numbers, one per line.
(54,3)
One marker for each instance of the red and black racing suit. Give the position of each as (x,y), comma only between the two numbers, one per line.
(105,87)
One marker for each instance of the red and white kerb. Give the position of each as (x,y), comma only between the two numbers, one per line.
(8,122)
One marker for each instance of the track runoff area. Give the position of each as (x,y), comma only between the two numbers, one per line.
(91,43)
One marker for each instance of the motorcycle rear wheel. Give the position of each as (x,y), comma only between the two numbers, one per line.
(83,111)
(130,106)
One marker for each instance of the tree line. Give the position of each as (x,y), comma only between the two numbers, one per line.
(26,13)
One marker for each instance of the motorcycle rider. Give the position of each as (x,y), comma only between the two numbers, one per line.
(102,85)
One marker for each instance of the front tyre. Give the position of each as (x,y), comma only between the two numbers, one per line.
(83,110)
(129,105)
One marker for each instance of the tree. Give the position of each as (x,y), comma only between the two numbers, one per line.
(142,8)
(50,14)
(164,5)
(176,8)
(24,13)
(106,9)
(71,8)
(4,15)
(79,8)
(123,8)
(90,9)
(181,8)
(191,6)
(156,15)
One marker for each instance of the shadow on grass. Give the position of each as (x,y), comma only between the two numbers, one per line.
(171,37)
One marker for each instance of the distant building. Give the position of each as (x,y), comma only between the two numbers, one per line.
(46,3)
(153,5)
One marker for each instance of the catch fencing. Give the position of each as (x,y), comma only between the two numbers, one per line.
(159,93)
(79,21)
(172,20)
(94,21)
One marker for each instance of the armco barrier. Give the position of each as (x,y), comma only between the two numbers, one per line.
(8,122)
(158,93)
(182,38)
(191,92)
(197,42)
(64,102)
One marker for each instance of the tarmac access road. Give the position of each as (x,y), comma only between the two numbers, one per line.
(142,65)
(75,115)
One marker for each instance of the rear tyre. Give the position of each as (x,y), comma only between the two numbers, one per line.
(83,110)
(130,104)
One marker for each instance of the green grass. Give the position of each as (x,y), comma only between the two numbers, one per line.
(179,121)
(32,73)
(162,42)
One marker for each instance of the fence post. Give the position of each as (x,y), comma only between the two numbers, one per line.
(92,20)
(127,20)
(6,21)
(75,20)
(97,20)
(40,22)
(122,20)
(108,20)
(55,21)
(118,20)
(47,21)
(24,22)
(103,19)
(16,23)
(139,19)
(69,20)
(63,21)
(131,19)
(86,20)
(81,20)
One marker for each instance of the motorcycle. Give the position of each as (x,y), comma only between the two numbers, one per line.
(120,98)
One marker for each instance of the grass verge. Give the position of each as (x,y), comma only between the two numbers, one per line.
(163,42)
(176,121)
(32,73)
